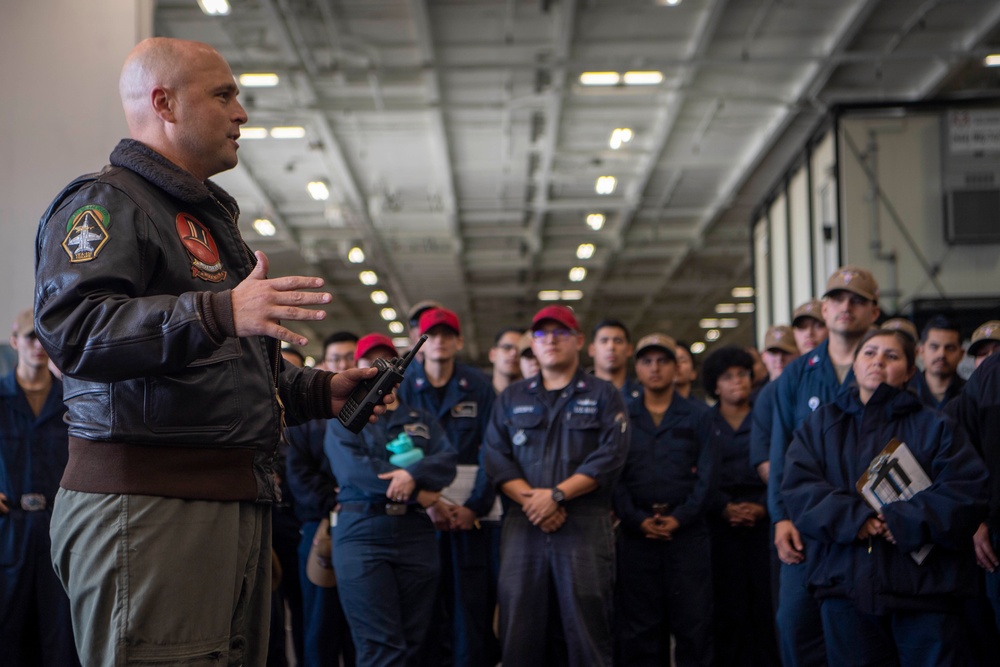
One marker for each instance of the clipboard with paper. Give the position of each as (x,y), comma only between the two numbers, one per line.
(894,475)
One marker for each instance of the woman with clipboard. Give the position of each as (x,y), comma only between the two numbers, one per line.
(878,603)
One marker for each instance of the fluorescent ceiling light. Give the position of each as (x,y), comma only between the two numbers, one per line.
(645,78)
(595,221)
(621,135)
(743,292)
(318,190)
(389,314)
(605,185)
(396,327)
(368,278)
(214,7)
(264,227)
(401,343)
(600,78)
(356,255)
(253,133)
(585,251)
(729,323)
(712,334)
(548,295)
(668,3)
(992,60)
(380,297)
(725,308)
(708,323)
(745,307)
(577,274)
(571,295)
(697,348)
(288,132)
(259,79)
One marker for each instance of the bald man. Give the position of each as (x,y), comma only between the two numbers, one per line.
(167,329)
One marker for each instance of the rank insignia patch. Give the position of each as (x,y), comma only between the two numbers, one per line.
(86,232)
(201,248)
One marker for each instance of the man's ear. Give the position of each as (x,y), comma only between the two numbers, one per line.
(162,103)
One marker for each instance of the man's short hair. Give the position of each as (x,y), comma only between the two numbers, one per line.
(687,348)
(295,353)
(506,330)
(618,324)
(339,337)
(940,322)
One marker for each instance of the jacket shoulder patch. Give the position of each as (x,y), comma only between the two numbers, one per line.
(86,233)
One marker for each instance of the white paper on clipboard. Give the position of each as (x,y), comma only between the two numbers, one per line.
(461,488)
(895,475)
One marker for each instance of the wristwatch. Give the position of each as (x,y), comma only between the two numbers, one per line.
(558,496)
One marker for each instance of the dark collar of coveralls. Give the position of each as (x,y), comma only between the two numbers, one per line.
(9,389)
(581,383)
(158,170)
(891,401)
(458,386)
(680,408)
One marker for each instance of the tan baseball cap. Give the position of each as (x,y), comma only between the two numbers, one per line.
(987,331)
(24,323)
(780,337)
(657,340)
(413,315)
(902,324)
(853,279)
(812,308)
(524,345)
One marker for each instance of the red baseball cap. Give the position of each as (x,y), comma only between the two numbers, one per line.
(368,343)
(435,316)
(560,314)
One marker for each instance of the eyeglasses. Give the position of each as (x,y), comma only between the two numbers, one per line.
(507,347)
(559,334)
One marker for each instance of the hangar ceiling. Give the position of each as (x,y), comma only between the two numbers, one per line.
(462,150)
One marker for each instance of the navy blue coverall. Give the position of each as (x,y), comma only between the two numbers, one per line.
(977,412)
(467,579)
(806,383)
(387,564)
(326,635)
(741,555)
(879,605)
(664,587)
(35,625)
(543,438)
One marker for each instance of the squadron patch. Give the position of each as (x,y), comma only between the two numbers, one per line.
(86,233)
(418,430)
(201,248)
(465,409)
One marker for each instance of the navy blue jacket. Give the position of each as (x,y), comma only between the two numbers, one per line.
(464,414)
(807,383)
(671,463)
(359,458)
(760,429)
(585,431)
(737,481)
(308,472)
(832,451)
(919,385)
(977,412)
(33,455)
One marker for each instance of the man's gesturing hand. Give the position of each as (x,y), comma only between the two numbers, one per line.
(260,303)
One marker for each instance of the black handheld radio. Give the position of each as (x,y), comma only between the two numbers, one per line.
(369,393)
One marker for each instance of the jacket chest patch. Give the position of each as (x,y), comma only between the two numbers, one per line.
(201,249)
(86,233)
(468,409)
